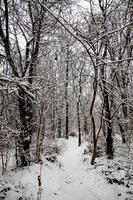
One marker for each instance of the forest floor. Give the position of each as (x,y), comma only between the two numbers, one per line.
(69,178)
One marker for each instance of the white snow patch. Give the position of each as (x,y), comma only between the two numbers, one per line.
(71,180)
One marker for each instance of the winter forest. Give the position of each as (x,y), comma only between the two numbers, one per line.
(66,99)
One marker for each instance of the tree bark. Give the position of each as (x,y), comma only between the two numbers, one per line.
(27,128)
(92,117)
(40,135)
(79,126)
(66,94)
(59,127)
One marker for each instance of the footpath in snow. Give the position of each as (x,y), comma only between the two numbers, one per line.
(72,180)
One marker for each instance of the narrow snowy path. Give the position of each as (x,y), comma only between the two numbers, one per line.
(72,181)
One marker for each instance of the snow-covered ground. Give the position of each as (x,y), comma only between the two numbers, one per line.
(71,179)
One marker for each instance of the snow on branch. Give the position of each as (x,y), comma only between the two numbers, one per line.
(22,85)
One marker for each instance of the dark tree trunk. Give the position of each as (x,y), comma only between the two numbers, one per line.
(66,94)
(109,142)
(79,128)
(78,106)
(27,128)
(122,133)
(67,120)
(59,127)
(92,117)
(86,131)
(53,122)
(109,138)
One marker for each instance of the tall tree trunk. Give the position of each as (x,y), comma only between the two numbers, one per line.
(66,94)
(92,116)
(79,126)
(109,138)
(78,105)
